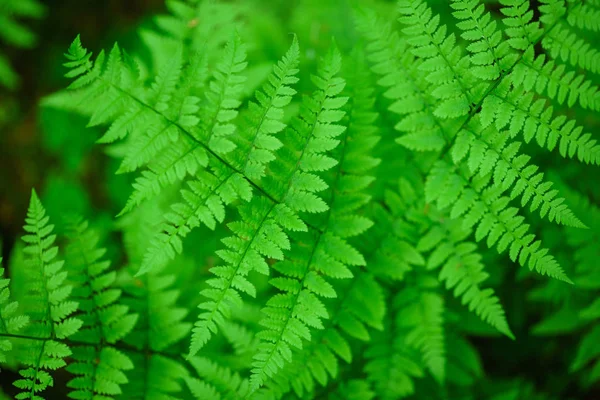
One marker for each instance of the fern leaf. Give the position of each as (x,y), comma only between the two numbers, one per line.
(402,80)
(11,322)
(562,42)
(162,324)
(492,153)
(161,130)
(172,165)
(98,369)
(291,313)
(360,301)
(222,382)
(462,270)
(585,17)
(357,311)
(490,54)
(499,223)
(261,231)
(254,237)
(99,372)
(534,119)
(421,313)
(95,290)
(222,97)
(445,68)
(204,203)
(264,118)
(521,30)
(51,312)
(156,377)
(153,297)
(556,81)
(392,365)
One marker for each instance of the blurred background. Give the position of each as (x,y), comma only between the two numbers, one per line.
(32,153)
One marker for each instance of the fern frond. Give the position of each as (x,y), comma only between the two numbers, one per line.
(521,30)
(99,372)
(209,193)
(421,313)
(255,236)
(98,368)
(486,208)
(223,97)
(556,81)
(358,310)
(50,310)
(204,203)
(417,232)
(103,319)
(260,233)
(172,165)
(403,82)
(217,382)
(446,70)
(565,44)
(159,132)
(490,152)
(156,377)
(161,322)
(391,364)
(585,17)
(398,253)
(357,304)
(291,313)
(462,271)
(161,325)
(164,113)
(11,321)
(264,117)
(518,110)
(242,339)
(490,54)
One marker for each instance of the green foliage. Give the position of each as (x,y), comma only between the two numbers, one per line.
(346,205)
(48,305)
(14,33)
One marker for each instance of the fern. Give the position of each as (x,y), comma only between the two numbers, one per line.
(264,118)
(416,15)
(10,320)
(229,385)
(50,310)
(462,271)
(161,323)
(441,60)
(392,365)
(346,206)
(261,231)
(98,367)
(327,253)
